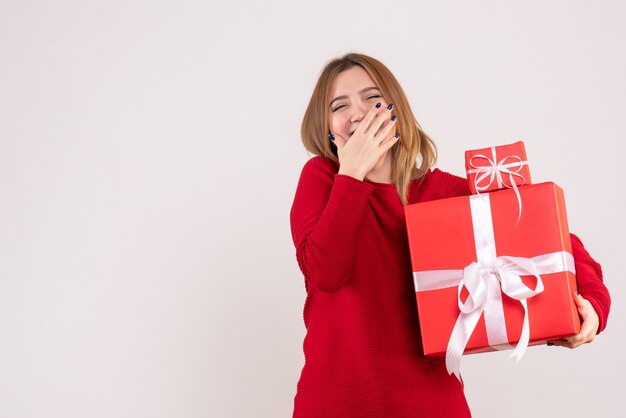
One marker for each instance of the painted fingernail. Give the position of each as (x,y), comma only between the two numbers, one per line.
(378,105)
(397,136)
(331,137)
(564,340)
(393,118)
(550,344)
(390,106)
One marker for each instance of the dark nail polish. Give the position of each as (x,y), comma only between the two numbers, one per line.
(550,344)
(397,135)
(564,340)
(393,118)
(378,105)
(390,106)
(331,137)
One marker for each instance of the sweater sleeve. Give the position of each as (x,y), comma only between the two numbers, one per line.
(590,283)
(325,217)
(448,185)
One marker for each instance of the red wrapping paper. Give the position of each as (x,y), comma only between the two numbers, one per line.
(441,237)
(487,172)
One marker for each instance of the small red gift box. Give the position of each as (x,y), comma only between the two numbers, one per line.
(495,168)
(485,280)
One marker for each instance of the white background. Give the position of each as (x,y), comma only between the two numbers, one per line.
(149,153)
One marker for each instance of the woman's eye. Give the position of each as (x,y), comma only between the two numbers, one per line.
(375,96)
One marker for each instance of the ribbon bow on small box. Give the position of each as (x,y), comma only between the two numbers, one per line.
(496,168)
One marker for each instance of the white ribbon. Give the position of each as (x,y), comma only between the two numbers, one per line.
(494,170)
(485,280)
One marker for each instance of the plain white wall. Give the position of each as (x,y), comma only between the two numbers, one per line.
(149,152)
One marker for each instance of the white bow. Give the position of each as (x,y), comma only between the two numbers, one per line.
(503,274)
(493,171)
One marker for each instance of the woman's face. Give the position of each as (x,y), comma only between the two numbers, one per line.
(352,94)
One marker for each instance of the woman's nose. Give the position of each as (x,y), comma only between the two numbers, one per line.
(359,111)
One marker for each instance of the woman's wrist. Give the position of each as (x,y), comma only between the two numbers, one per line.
(351,173)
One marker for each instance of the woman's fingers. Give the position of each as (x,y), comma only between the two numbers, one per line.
(588,328)
(580,301)
(368,118)
(375,127)
(591,320)
(390,142)
(338,141)
(583,306)
(385,131)
(561,343)
(586,335)
(374,119)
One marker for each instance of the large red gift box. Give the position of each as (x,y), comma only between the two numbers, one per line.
(496,168)
(451,238)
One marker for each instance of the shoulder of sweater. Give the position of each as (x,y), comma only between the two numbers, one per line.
(318,162)
(319,166)
(439,174)
(446,184)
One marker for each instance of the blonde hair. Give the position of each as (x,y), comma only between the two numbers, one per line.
(413,142)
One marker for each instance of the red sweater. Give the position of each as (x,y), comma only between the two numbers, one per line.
(363,350)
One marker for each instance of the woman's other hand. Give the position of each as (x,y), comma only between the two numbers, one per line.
(588,328)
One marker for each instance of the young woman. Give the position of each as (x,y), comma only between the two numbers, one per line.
(363,351)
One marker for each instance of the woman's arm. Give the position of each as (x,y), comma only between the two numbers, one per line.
(325,217)
(590,281)
(594,301)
